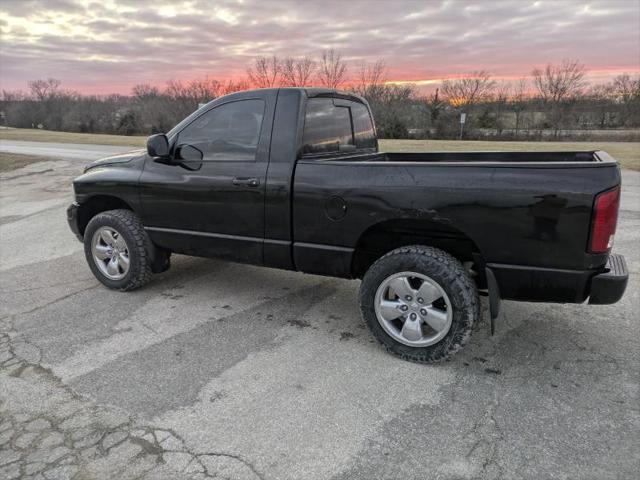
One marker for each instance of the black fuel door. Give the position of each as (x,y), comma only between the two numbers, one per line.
(335,208)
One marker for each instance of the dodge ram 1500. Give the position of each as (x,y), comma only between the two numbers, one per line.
(292,178)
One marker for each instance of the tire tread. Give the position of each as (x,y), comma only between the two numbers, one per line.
(141,269)
(457,279)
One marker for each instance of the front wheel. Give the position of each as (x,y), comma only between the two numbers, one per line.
(118,250)
(419,303)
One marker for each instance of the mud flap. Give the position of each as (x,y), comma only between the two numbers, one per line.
(160,259)
(494,298)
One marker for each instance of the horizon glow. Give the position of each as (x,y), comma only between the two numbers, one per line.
(101,47)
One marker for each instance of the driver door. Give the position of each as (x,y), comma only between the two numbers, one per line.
(210,200)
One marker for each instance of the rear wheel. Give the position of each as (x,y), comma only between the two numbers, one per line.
(118,250)
(420,303)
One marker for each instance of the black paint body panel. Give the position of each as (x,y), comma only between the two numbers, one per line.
(201,197)
(118,180)
(527,216)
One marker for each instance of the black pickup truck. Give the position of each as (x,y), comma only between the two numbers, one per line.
(292,178)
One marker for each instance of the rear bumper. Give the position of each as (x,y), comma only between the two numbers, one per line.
(72,219)
(608,287)
(535,284)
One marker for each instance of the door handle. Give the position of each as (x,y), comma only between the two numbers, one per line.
(246,182)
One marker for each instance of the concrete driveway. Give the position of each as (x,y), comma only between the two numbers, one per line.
(239,372)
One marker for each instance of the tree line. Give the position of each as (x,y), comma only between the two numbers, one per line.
(553,102)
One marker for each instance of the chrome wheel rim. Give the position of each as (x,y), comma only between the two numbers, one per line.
(110,253)
(413,309)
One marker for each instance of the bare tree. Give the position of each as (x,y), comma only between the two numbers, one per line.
(391,108)
(371,79)
(235,86)
(500,100)
(626,91)
(204,90)
(434,106)
(44,89)
(52,103)
(149,110)
(465,92)
(557,85)
(144,90)
(600,98)
(289,72)
(469,90)
(332,70)
(265,72)
(518,101)
(176,89)
(372,74)
(626,88)
(15,102)
(297,72)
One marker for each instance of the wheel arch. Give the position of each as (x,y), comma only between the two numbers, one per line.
(97,204)
(385,236)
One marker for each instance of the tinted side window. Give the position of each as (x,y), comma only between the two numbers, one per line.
(362,126)
(327,128)
(228,132)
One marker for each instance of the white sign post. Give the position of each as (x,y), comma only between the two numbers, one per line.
(463,118)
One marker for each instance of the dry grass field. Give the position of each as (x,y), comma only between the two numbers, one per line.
(11,161)
(33,135)
(627,153)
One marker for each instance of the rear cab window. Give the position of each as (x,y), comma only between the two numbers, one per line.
(334,126)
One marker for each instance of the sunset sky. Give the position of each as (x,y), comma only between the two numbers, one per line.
(110,45)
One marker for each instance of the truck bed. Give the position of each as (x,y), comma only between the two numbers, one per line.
(588,157)
(522,211)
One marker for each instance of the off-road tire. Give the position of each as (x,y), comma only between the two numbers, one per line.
(449,274)
(138,242)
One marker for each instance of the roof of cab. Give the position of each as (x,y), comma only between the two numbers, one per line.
(331,92)
(309,92)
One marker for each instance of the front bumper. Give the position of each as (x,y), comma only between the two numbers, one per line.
(609,286)
(72,219)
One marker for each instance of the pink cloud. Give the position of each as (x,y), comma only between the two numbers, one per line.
(95,48)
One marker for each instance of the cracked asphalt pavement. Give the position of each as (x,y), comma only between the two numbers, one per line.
(217,370)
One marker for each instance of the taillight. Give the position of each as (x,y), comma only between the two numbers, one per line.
(605,218)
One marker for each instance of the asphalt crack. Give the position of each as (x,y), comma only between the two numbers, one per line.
(72,437)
